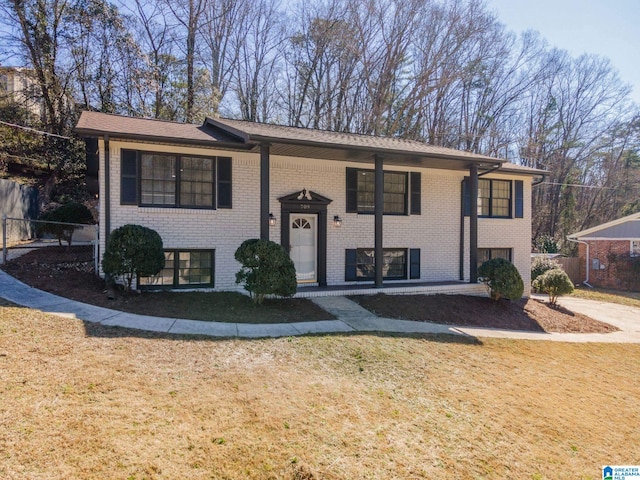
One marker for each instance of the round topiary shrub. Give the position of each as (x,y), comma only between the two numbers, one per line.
(133,251)
(502,279)
(266,269)
(554,282)
(67,213)
(541,265)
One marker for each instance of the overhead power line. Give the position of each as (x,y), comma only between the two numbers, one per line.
(39,132)
(575,185)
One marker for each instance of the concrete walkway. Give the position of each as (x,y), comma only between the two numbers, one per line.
(350,318)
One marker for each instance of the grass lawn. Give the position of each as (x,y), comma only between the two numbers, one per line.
(631,299)
(85,401)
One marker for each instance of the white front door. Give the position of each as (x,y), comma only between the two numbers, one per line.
(303,239)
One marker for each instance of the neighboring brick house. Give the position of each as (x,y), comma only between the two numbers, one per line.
(602,248)
(207,188)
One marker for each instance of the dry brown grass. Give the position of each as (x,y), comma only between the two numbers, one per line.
(84,401)
(631,299)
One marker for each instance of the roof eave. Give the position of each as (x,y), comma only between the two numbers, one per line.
(588,231)
(373,150)
(241,135)
(87,132)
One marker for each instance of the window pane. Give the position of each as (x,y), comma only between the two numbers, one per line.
(158,179)
(484,197)
(395,189)
(484,254)
(394,264)
(195,268)
(501,253)
(500,207)
(501,189)
(196,181)
(366,188)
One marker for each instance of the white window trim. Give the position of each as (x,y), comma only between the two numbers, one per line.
(634,252)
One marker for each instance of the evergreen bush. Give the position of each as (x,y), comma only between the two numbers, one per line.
(67,213)
(502,279)
(266,269)
(554,282)
(541,265)
(133,251)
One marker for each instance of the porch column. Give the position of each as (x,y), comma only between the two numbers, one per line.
(473,224)
(264,191)
(379,211)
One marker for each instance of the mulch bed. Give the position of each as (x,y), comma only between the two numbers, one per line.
(528,315)
(68,272)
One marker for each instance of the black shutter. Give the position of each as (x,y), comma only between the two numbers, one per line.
(128,177)
(350,263)
(352,190)
(519,188)
(416,190)
(414,263)
(224,182)
(466,197)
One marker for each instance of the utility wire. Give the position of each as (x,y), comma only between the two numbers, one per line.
(40,132)
(581,186)
(22,158)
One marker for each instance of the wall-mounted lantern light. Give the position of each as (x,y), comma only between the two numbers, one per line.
(337,221)
(272,220)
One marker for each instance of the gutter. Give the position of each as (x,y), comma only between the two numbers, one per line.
(586,281)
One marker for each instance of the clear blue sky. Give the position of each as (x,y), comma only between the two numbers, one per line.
(610,28)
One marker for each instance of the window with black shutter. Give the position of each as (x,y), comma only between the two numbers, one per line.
(360,192)
(494,198)
(174,181)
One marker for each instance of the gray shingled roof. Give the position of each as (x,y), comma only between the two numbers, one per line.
(292,141)
(262,131)
(95,123)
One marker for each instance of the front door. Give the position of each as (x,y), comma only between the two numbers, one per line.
(303,238)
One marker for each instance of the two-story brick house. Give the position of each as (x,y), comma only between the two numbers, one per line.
(353,210)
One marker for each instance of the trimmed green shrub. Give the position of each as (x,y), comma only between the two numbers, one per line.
(67,213)
(554,282)
(133,251)
(266,269)
(502,279)
(541,265)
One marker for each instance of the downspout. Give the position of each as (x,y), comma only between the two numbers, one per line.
(586,282)
(538,181)
(461,259)
(492,169)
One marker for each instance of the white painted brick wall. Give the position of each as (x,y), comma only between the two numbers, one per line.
(436,232)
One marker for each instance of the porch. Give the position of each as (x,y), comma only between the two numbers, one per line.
(396,288)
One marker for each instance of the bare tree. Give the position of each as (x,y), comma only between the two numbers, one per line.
(189,14)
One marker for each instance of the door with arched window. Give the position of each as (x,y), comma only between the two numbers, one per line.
(303,238)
